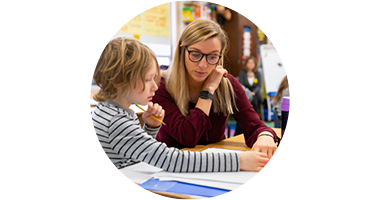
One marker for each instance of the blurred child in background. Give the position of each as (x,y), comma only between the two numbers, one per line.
(283,91)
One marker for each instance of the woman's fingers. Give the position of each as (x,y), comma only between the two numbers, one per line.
(269,151)
(221,70)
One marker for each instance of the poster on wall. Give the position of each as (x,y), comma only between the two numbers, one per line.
(156,21)
(134,26)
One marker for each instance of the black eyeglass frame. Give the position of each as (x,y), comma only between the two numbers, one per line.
(203,56)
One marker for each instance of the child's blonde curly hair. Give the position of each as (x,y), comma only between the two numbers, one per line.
(122,62)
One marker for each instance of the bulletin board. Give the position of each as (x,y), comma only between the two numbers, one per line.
(134,26)
(152,22)
(156,21)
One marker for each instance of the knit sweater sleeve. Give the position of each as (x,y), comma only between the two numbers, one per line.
(184,131)
(247,117)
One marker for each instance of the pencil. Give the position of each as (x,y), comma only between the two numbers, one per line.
(151,115)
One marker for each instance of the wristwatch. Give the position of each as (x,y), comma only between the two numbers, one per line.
(206,95)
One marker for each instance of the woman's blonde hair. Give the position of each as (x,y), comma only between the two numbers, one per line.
(122,62)
(176,78)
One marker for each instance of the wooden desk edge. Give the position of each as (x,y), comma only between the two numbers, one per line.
(236,142)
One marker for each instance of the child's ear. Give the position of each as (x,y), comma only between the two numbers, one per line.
(116,84)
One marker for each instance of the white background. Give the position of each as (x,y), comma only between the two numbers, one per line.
(49,50)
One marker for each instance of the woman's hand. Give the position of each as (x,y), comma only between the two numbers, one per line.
(252,161)
(213,80)
(265,144)
(253,94)
(155,110)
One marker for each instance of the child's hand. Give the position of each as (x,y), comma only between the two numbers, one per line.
(252,161)
(155,110)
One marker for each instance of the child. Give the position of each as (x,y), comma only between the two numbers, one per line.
(283,91)
(127,72)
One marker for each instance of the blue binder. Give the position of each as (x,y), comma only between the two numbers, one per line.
(182,188)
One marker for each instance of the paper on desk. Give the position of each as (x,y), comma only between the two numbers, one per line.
(136,109)
(140,172)
(224,180)
(143,168)
(215,150)
(136,177)
(227,177)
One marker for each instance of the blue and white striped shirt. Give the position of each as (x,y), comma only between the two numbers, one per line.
(125,142)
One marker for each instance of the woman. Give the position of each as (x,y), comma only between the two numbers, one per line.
(197,94)
(250,77)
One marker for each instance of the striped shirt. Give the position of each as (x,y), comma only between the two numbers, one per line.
(125,142)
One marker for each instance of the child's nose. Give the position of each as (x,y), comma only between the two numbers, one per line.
(155,87)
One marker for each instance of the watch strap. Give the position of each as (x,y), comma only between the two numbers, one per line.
(206,95)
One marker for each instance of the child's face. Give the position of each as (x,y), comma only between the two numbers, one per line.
(143,97)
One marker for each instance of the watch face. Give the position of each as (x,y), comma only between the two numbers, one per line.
(206,95)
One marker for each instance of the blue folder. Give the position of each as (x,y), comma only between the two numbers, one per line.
(182,188)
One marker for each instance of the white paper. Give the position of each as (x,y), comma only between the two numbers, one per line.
(140,172)
(228,177)
(224,180)
(137,109)
(215,150)
(136,177)
(143,168)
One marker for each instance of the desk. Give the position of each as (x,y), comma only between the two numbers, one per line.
(236,143)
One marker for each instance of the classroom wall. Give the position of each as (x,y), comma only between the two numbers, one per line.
(152,27)
(146,38)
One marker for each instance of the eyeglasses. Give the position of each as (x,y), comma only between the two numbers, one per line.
(196,56)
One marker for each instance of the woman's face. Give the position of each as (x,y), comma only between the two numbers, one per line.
(250,64)
(199,71)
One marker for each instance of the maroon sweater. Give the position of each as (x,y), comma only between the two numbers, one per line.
(198,128)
